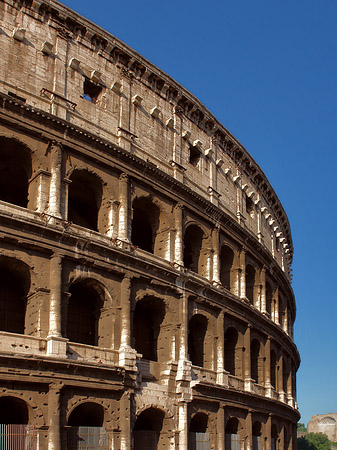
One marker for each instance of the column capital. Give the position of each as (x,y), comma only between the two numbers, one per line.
(124,177)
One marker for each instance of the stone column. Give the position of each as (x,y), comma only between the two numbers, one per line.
(125,443)
(56,344)
(267,382)
(248,431)
(268,433)
(124,220)
(178,242)
(243,273)
(55,189)
(246,372)
(183,426)
(276,307)
(184,365)
(222,378)
(216,254)
(281,392)
(127,355)
(220,427)
(54,413)
(263,290)
(112,218)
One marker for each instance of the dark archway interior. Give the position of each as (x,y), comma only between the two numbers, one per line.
(196,339)
(226,263)
(15,172)
(13,411)
(232,426)
(269,296)
(145,223)
(84,199)
(230,341)
(250,282)
(192,247)
(83,313)
(199,423)
(273,369)
(87,414)
(147,429)
(254,360)
(12,303)
(256,429)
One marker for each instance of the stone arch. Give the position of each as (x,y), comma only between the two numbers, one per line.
(256,434)
(152,429)
(197,330)
(327,420)
(145,223)
(15,281)
(84,322)
(232,435)
(226,266)
(15,171)
(274,437)
(198,431)
(84,198)
(148,315)
(230,350)
(86,413)
(195,251)
(13,410)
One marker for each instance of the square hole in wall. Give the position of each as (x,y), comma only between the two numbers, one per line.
(249,206)
(194,156)
(91,91)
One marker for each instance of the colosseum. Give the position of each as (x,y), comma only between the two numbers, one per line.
(145,261)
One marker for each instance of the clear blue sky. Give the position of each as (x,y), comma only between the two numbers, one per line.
(267,70)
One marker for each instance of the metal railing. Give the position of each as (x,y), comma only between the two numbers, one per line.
(18,437)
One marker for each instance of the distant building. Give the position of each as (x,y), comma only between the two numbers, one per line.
(324,423)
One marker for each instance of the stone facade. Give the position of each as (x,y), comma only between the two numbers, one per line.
(324,423)
(145,260)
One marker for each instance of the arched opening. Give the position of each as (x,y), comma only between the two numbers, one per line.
(147,319)
(198,436)
(230,342)
(15,172)
(255,361)
(274,438)
(250,283)
(232,437)
(86,427)
(256,432)
(12,302)
(193,241)
(84,199)
(196,339)
(83,316)
(226,265)
(15,432)
(285,439)
(269,298)
(273,369)
(145,224)
(147,429)
(286,376)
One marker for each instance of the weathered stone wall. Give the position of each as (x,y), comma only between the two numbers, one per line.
(324,423)
(145,259)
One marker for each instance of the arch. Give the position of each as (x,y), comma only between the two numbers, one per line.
(256,434)
(86,429)
(147,319)
(83,313)
(226,265)
(84,198)
(327,421)
(232,437)
(147,429)
(273,368)
(230,343)
(196,339)
(255,361)
(269,298)
(198,436)
(145,223)
(15,171)
(193,245)
(250,283)
(14,286)
(13,411)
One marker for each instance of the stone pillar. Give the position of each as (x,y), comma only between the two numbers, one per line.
(246,360)
(248,431)
(222,378)
(56,344)
(183,426)
(267,382)
(268,433)
(55,189)
(276,307)
(216,254)
(178,242)
(112,218)
(125,442)
(184,365)
(263,290)
(39,191)
(220,428)
(124,220)
(54,413)
(243,273)
(281,392)
(178,126)
(127,355)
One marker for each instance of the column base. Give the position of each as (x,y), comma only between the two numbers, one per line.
(57,346)
(222,378)
(184,370)
(249,384)
(127,358)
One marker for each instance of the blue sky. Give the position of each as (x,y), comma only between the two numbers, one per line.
(268,71)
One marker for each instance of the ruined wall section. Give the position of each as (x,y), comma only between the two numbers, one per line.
(87,77)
